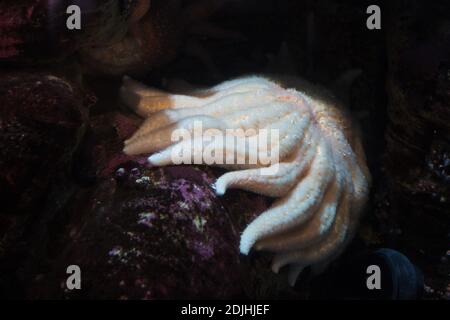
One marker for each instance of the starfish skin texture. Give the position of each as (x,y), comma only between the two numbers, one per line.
(322,181)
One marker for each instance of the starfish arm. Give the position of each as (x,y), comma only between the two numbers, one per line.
(329,246)
(298,206)
(283,176)
(246,84)
(196,147)
(312,231)
(265,113)
(235,119)
(146,105)
(250,83)
(272,185)
(157,139)
(156,121)
(217,105)
(145,100)
(129,84)
(164,137)
(249,180)
(292,132)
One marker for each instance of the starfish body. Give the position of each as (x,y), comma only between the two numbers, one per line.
(321,179)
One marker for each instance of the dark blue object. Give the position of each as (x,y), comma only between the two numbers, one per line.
(400,279)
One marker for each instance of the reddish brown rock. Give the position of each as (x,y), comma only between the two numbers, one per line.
(413,203)
(41,118)
(35,31)
(32,30)
(145,233)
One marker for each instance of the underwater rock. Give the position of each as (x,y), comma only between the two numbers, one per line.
(139,232)
(154,33)
(414,199)
(32,30)
(149,39)
(41,117)
(35,31)
(146,233)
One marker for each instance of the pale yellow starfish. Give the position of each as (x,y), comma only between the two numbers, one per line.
(321,177)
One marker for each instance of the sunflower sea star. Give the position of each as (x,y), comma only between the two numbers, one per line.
(322,180)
